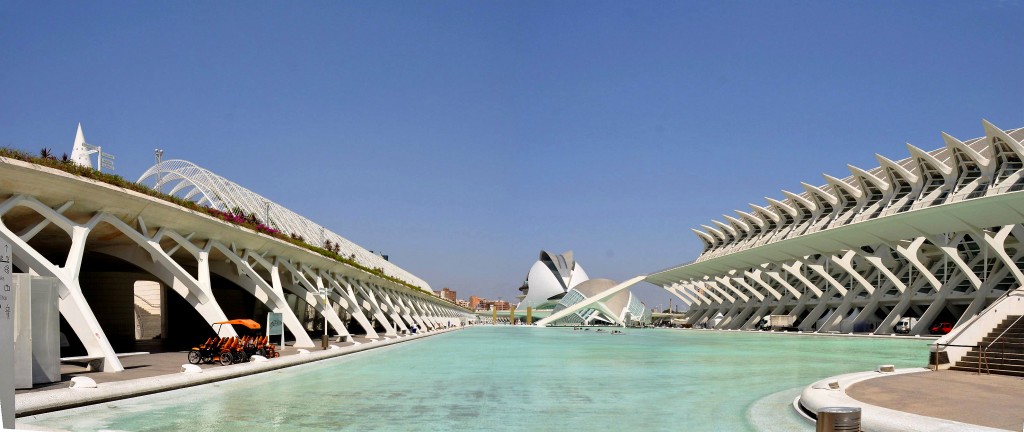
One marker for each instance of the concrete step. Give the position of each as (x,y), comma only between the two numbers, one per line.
(1003,343)
(973,365)
(992,370)
(973,355)
(1000,328)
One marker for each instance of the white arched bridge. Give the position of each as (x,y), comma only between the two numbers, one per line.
(99,241)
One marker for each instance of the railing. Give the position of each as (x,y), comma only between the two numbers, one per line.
(935,353)
(983,350)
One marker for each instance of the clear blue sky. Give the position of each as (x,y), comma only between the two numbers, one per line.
(462,137)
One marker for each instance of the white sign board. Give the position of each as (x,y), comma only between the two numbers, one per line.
(275,325)
(6,338)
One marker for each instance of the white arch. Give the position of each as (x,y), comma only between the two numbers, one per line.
(205,187)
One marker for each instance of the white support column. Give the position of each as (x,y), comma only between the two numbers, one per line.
(740,280)
(344,296)
(986,278)
(198,296)
(270,293)
(952,260)
(370,304)
(432,313)
(921,274)
(756,277)
(393,310)
(996,243)
(756,316)
(678,293)
(884,278)
(72,303)
(150,256)
(419,312)
(309,292)
(406,302)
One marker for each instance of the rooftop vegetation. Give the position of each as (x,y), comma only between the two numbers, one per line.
(235,216)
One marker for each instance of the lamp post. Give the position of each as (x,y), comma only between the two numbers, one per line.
(159,166)
(323,292)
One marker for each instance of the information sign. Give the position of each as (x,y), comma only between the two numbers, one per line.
(6,337)
(275,325)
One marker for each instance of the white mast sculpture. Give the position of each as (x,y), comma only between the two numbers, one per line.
(82,150)
(79,153)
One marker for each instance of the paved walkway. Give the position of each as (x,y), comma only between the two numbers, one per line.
(167,363)
(145,366)
(986,400)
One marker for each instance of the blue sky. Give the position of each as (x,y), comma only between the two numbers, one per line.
(461,138)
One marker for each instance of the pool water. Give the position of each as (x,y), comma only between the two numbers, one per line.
(518,378)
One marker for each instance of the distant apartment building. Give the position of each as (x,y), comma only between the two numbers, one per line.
(448,294)
(474,301)
(462,303)
(484,304)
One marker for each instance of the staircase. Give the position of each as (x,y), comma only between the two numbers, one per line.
(1005,356)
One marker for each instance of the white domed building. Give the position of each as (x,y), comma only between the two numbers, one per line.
(549,279)
(557,283)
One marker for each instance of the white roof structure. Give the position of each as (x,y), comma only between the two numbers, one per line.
(187,180)
(620,307)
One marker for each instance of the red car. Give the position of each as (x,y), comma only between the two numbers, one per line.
(942,328)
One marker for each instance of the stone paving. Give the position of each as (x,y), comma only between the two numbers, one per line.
(986,400)
(149,365)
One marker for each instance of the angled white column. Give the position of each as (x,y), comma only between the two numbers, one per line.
(590,301)
(345,296)
(309,291)
(392,310)
(369,303)
(270,293)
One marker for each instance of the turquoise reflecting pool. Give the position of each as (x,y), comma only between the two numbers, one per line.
(517,378)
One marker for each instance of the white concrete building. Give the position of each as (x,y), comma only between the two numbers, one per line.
(107,246)
(934,236)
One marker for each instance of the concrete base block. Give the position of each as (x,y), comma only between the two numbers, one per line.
(191,368)
(82,383)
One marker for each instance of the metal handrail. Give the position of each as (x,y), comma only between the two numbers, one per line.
(983,350)
(936,352)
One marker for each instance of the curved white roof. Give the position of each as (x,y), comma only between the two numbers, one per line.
(187,180)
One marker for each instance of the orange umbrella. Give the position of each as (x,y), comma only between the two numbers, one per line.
(246,322)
